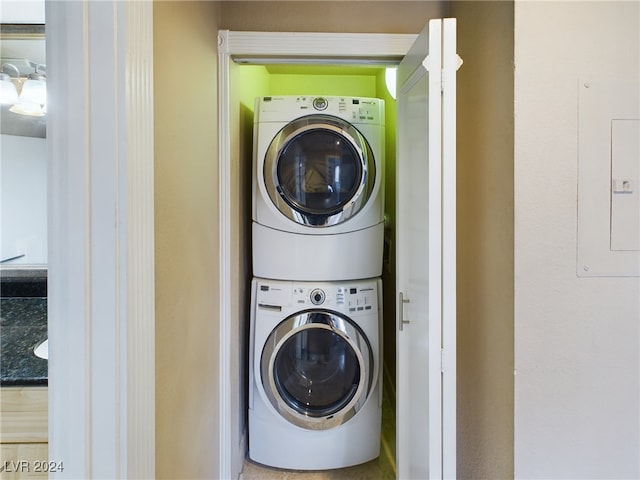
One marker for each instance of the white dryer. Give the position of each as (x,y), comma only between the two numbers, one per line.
(315,381)
(318,187)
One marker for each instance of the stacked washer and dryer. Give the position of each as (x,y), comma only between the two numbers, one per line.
(315,366)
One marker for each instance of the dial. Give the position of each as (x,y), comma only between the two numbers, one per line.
(317,296)
(320,103)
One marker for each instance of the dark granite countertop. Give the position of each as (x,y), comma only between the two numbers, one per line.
(23,325)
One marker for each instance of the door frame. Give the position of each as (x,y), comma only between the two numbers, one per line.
(101,296)
(427,296)
(262,48)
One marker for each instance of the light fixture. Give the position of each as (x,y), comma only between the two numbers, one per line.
(33,97)
(390,80)
(8,90)
(34,89)
(29,109)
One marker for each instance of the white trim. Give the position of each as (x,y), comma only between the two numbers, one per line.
(140,229)
(101,273)
(450,64)
(225,202)
(435,290)
(232,45)
(312,44)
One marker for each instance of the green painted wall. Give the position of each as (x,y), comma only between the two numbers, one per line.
(252,81)
(347,85)
(309,80)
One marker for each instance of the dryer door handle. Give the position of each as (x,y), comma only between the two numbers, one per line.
(401,302)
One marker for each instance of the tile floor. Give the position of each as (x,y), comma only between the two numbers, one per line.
(382,468)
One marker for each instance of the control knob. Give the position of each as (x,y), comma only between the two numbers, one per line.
(320,103)
(317,296)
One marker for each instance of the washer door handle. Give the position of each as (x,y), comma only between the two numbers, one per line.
(401,302)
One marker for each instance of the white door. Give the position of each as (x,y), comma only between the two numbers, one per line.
(426,354)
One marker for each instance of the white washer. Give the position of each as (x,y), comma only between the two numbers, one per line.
(318,187)
(315,382)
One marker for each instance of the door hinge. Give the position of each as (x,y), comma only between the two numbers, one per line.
(426,63)
(442,368)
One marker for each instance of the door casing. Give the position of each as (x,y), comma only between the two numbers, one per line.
(101,296)
(264,48)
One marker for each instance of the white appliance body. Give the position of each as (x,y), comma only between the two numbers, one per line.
(315,382)
(318,188)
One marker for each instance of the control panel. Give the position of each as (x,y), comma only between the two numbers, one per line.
(348,297)
(353,109)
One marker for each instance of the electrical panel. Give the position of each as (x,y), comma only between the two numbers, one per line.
(608,178)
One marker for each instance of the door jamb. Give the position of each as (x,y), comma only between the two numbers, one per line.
(101,296)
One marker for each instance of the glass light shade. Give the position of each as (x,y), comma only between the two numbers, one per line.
(34,91)
(390,80)
(8,91)
(28,108)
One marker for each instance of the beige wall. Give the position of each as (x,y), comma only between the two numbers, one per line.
(186,178)
(485,239)
(329,16)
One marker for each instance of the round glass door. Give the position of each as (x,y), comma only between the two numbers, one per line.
(316,369)
(319,170)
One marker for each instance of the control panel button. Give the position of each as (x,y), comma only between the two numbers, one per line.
(320,103)
(317,296)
